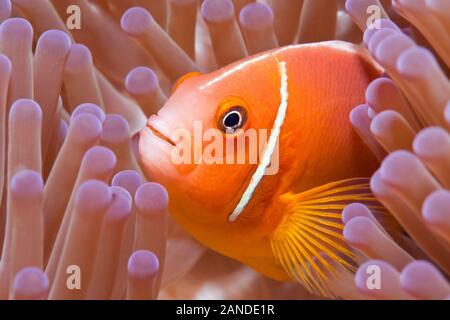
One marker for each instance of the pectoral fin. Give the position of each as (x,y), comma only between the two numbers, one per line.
(310,235)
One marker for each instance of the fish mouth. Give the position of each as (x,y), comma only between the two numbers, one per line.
(159,133)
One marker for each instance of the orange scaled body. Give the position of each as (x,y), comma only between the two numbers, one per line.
(317,146)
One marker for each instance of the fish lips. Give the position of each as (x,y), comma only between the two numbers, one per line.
(160,130)
(156,138)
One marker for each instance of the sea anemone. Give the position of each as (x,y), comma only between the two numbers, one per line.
(73,97)
(405,123)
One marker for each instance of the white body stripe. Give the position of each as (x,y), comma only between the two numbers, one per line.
(273,140)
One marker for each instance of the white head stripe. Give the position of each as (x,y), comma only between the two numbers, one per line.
(335,45)
(234,70)
(268,152)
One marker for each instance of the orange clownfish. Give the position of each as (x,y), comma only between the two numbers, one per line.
(286,225)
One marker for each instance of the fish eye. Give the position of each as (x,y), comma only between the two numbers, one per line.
(233,119)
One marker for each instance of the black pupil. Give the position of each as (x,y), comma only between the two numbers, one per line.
(232,120)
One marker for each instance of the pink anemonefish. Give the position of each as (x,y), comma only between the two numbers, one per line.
(287,225)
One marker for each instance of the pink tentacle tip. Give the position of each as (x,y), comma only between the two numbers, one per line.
(378,36)
(256,16)
(115,129)
(217,11)
(79,57)
(54,42)
(377,185)
(143,264)
(436,208)
(415,61)
(16,27)
(432,142)
(151,197)
(359,115)
(25,110)
(136,21)
(27,184)
(398,167)
(354,210)
(129,180)
(358,231)
(89,108)
(31,283)
(92,197)
(85,128)
(389,49)
(379,89)
(121,205)
(384,121)
(424,281)
(141,81)
(99,160)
